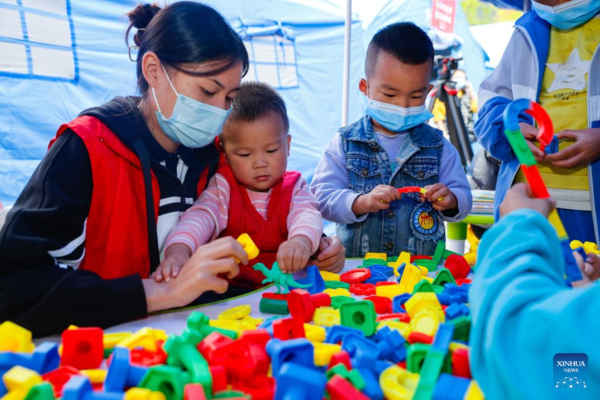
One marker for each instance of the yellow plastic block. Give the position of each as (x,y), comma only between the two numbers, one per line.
(19,381)
(229,324)
(426,321)
(329,276)
(410,277)
(95,375)
(15,338)
(421,300)
(324,352)
(145,338)
(338,292)
(380,256)
(398,384)
(249,246)
(427,278)
(555,221)
(238,312)
(474,392)
(471,258)
(575,244)
(472,239)
(249,323)
(424,270)
(143,394)
(403,327)
(314,333)
(591,247)
(390,291)
(403,258)
(456,345)
(326,316)
(110,340)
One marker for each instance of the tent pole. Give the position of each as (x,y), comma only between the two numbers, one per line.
(346,79)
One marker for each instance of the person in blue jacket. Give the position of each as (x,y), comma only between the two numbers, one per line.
(523,312)
(553,59)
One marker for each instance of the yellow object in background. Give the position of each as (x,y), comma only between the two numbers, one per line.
(390,291)
(19,381)
(337,292)
(143,394)
(403,327)
(326,316)
(145,338)
(95,375)
(314,333)
(234,313)
(324,352)
(15,338)
(329,276)
(410,277)
(398,384)
(379,256)
(473,392)
(423,300)
(426,321)
(110,340)
(403,258)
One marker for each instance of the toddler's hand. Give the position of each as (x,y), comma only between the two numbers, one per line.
(379,199)
(175,256)
(440,196)
(293,254)
(530,133)
(590,268)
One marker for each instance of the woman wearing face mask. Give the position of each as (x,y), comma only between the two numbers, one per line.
(553,59)
(83,237)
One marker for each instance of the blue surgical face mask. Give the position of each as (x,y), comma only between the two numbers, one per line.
(396,118)
(568,15)
(193,123)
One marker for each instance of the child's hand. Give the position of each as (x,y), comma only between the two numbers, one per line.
(293,254)
(331,254)
(585,150)
(175,256)
(530,133)
(590,268)
(440,196)
(379,199)
(520,196)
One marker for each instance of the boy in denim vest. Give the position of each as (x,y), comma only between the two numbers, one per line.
(392,147)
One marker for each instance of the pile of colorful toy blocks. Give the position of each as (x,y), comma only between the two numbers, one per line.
(383,330)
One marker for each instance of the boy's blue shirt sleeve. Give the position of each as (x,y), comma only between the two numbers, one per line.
(524,314)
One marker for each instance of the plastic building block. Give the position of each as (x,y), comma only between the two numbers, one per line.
(237,359)
(257,341)
(42,391)
(213,342)
(424,270)
(460,363)
(379,256)
(383,305)
(299,382)
(15,338)
(362,289)
(474,392)
(147,394)
(434,360)
(110,340)
(390,291)
(419,337)
(381,269)
(337,301)
(415,355)
(429,264)
(410,277)
(281,280)
(59,377)
(399,301)
(402,327)
(303,305)
(323,353)
(18,381)
(338,332)
(166,379)
(372,389)
(145,337)
(372,261)
(462,328)
(235,313)
(231,395)
(329,276)
(249,246)
(590,247)
(314,333)
(182,352)
(386,283)
(442,277)
(352,376)
(340,389)
(360,315)
(288,328)
(410,189)
(343,358)
(356,275)
(572,271)
(398,384)
(44,358)
(296,351)
(404,317)
(327,316)
(458,266)
(259,387)
(376,277)
(423,286)
(455,310)
(80,388)
(83,348)
(336,285)
(311,276)
(426,321)
(337,292)
(272,306)
(403,258)
(420,301)
(450,387)
(275,296)
(121,374)
(96,376)
(391,345)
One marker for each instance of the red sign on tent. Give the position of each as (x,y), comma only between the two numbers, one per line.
(442,15)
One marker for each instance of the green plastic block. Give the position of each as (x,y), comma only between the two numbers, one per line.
(430,372)
(442,277)
(448,253)
(423,286)
(439,251)
(415,355)
(42,391)
(231,394)
(108,352)
(336,285)
(273,306)
(393,259)
(437,289)
(337,301)
(360,315)
(373,261)
(200,323)
(182,352)
(338,369)
(166,379)
(520,147)
(356,380)
(462,328)
(431,265)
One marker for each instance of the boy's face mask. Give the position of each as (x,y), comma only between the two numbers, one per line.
(568,15)
(396,118)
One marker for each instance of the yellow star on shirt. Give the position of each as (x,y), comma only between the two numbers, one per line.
(570,74)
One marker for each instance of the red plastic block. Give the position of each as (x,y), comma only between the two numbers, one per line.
(219,377)
(409,189)
(257,340)
(276,296)
(340,389)
(237,359)
(414,258)
(418,337)
(260,387)
(385,283)
(83,348)
(402,364)
(461,282)
(383,305)
(460,363)
(340,358)
(288,328)
(194,391)
(402,317)
(146,358)
(362,289)
(538,187)
(458,266)
(303,305)
(59,377)
(211,343)
(356,275)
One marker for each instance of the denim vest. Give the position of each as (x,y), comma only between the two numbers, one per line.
(408,225)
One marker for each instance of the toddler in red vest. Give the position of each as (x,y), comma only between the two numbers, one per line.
(252,193)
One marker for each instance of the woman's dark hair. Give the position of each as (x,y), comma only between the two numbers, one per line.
(185,32)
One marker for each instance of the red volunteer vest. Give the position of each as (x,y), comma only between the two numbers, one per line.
(116,243)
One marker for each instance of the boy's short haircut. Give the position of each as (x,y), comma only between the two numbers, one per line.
(405,41)
(256,100)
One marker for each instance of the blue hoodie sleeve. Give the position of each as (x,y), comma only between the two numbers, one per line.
(524,314)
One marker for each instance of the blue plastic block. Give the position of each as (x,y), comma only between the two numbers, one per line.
(391,345)
(372,389)
(398,301)
(453,294)
(400,270)
(552,147)
(337,333)
(376,277)
(451,387)
(455,310)
(571,269)
(297,351)
(382,269)
(443,337)
(581,252)
(44,359)
(80,388)
(361,350)
(121,374)
(313,277)
(299,383)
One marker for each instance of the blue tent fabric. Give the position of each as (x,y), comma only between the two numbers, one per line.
(513,4)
